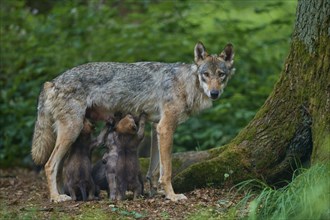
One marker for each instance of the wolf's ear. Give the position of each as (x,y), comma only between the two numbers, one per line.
(228,53)
(200,52)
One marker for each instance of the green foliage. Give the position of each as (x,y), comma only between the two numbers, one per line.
(306,197)
(41,39)
(125,213)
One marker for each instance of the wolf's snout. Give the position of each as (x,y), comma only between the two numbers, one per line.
(214,94)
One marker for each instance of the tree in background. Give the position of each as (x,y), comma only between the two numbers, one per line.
(294,122)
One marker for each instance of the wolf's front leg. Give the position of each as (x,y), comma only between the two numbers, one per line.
(165,130)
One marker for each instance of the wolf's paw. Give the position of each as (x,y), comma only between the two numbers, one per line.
(60,198)
(176,197)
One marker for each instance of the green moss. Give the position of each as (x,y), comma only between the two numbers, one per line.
(214,152)
(93,212)
(322,153)
(248,133)
(212,172)
(176,164)
(314,71)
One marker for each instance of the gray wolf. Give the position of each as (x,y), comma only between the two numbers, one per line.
(77,168)
(119,170)
(167,92)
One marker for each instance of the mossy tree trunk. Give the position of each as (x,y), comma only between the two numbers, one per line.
(294,122)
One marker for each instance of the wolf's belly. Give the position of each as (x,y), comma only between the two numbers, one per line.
(104,113)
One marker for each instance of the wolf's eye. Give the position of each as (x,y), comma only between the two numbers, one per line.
(221,73)
(206,74)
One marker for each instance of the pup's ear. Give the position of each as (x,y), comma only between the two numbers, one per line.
(200,52)
(228,53)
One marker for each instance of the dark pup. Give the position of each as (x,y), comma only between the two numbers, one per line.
(77,168)
(119,169)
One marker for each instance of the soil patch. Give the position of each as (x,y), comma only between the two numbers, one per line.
(24,195)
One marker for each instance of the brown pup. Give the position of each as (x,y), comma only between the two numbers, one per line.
(119,169)
(77,167)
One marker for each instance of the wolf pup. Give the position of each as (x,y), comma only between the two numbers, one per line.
(167,92)
(77,167)
(119,169)
(128,174)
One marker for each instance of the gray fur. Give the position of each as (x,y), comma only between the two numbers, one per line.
(167,92)
(132,88)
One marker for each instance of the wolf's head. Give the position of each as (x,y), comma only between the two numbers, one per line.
(214,71)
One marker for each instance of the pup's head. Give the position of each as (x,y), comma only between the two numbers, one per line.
(126,125)
(214,71)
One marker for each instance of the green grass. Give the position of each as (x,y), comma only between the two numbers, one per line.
(306,197)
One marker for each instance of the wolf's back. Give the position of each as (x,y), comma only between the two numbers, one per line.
(43,137)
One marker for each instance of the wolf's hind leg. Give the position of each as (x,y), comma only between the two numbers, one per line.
(67,132)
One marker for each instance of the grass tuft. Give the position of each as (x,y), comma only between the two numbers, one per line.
(306,197)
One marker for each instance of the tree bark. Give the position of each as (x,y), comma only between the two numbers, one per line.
(294,122)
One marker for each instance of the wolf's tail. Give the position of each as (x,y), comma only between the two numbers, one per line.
(44,137)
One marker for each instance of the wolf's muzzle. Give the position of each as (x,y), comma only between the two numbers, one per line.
(214,94)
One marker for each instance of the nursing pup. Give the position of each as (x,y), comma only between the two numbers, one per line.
(119,169)
(77,168)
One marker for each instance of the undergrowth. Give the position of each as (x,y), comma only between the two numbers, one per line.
(306,197)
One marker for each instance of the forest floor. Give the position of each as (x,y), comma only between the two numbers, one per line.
(24,195)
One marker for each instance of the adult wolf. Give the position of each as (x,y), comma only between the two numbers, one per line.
(167,93)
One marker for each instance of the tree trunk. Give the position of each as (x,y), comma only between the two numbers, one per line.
(293,124)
